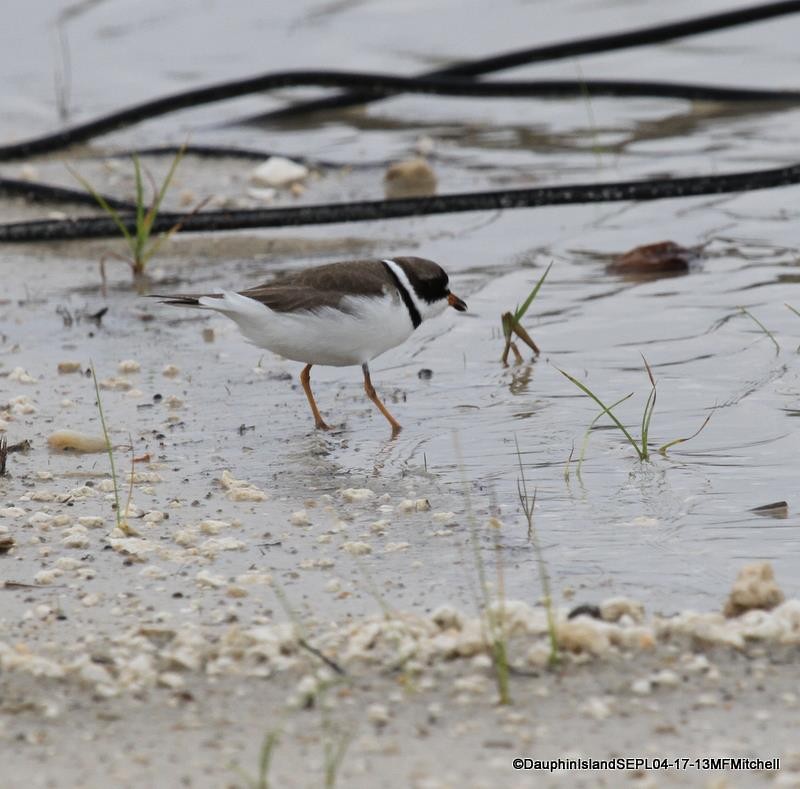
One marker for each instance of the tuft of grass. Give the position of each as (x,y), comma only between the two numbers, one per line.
(641,446)
(511,324)
(334,751)
(141,243)
(265,754)
(528,504)
(122,519)
(495,633)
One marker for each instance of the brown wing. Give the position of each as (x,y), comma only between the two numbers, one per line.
(310,289)
(322,286)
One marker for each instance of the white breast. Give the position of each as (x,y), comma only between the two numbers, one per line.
(328,336)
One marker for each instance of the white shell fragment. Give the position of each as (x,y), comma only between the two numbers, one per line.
(278,171)
(241,490)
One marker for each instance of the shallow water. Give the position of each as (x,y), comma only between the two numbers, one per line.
(671,532)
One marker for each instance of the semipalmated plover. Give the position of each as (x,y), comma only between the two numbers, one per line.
(338,314)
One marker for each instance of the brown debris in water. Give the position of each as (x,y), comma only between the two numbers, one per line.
(663,259)
(777,509)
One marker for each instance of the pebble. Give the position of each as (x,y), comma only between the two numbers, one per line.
(613,609)
(46,577)
(410,178)
(356,548)
(414,505)
(755,588)
(204,578)
(128,366)
(240,490)
(66,367)
(20,375)
(357,495)
(116,384)
(300,518)
(378,714)
(91,521)
(444,518)
(170,371)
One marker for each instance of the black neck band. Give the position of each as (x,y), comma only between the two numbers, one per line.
(413,312)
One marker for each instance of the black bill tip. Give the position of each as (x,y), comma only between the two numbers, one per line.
(456,303)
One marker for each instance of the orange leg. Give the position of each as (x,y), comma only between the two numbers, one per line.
(305,379)
(373,395)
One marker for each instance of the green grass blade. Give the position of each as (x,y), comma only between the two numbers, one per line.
(762,327)
(649,407)
(520,311)
(109,448)
(137,170)
(156,206)
(663,449)
(265,758)
(101,201)
(594,421)
(796,312)
(606,410)
(142,226)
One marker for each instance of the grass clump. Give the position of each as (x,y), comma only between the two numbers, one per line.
(141,243)
(640,446)
(528,503)
(493,617)
(511,324)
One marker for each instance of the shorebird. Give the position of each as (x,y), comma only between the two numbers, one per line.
(339,314)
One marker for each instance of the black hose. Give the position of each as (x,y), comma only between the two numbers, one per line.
(247,154)
(583,46)
(376,82)
(48,193)
(104,227)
